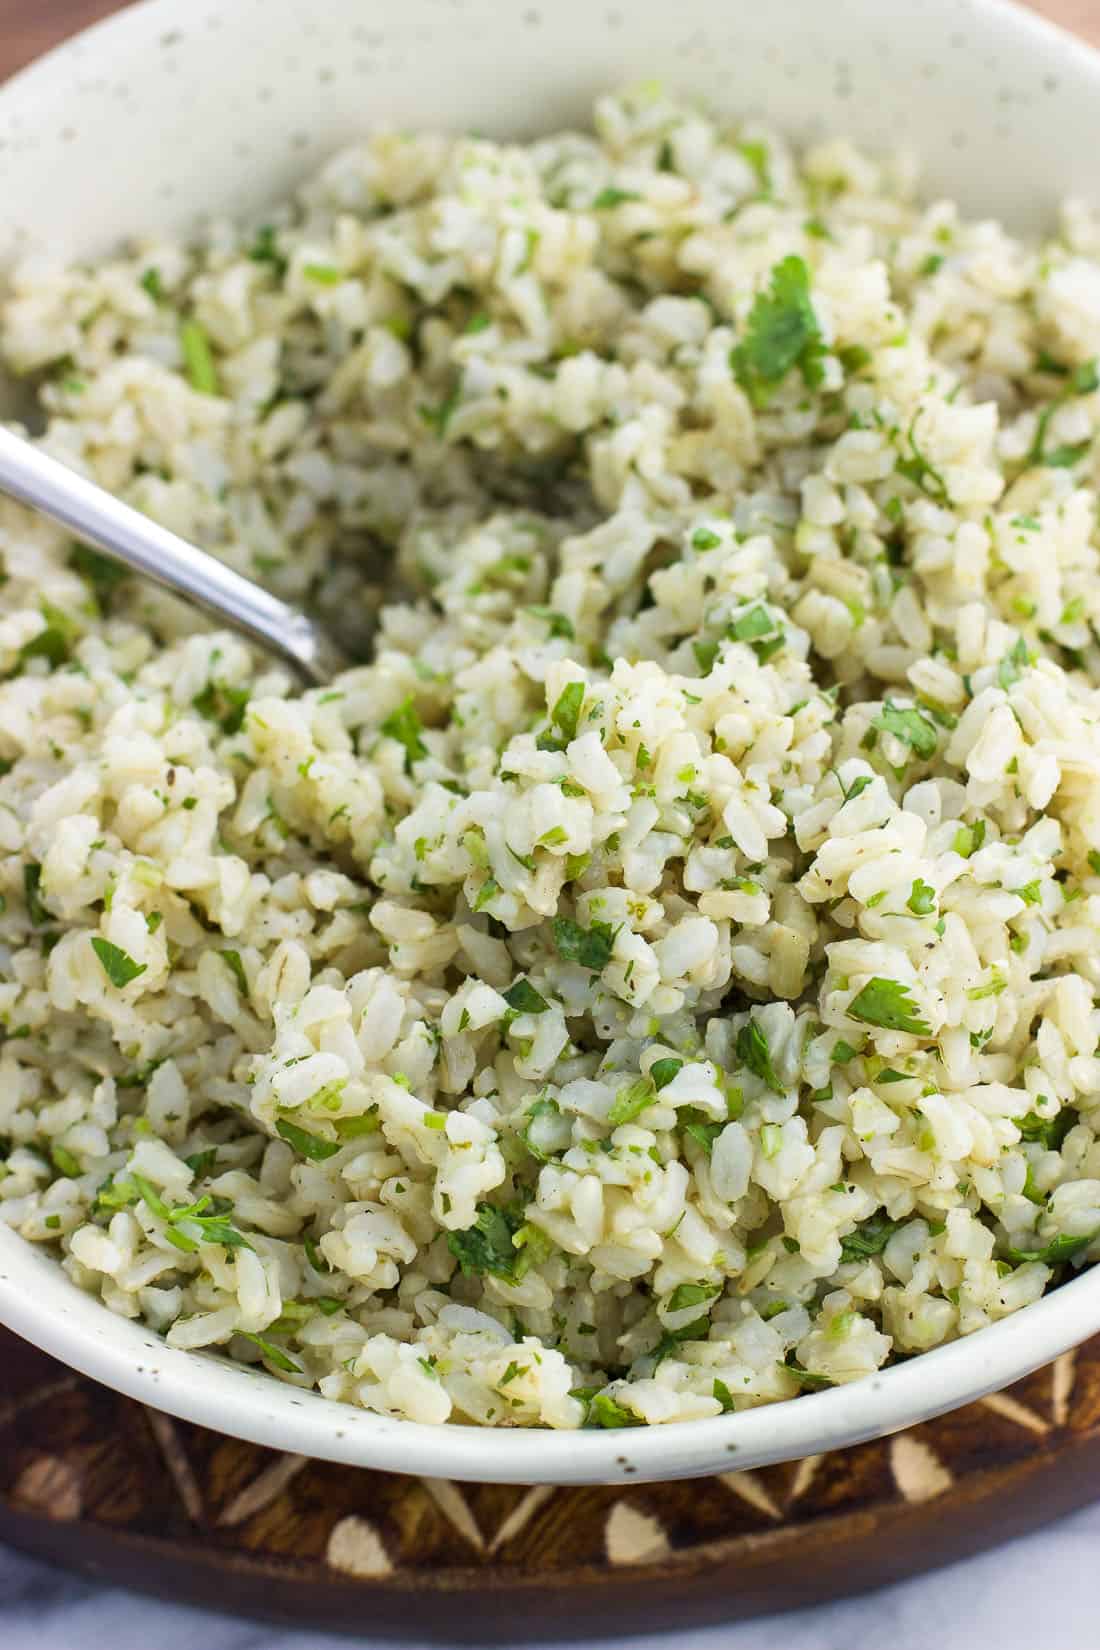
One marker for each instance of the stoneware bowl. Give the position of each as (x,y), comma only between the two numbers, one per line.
(178,108)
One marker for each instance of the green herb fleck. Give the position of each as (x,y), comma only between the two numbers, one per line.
(888,1003)
(119,967)
(304,1143)
(198,358)
(782,332)
(753,1052)
(404,725)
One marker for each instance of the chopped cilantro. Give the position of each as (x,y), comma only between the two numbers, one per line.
(692,1294)
(611,197)
(1013,665)
(32,881)
(273,1355)
(782,332)
(631,1101)
(304,1143)
(911,726)
(438,417)
(560,627)
(725,1397)
(663,1071)
(103,574)
(1046,1132)
(888,1003)
(753,1052)
(916,468)
(705,655)
(523,997)
(265,250)
(198,358)
(65,1161)
(232,960)
(566,712)
(1055,1253)
(591,947)
(807,1380)
(603,1411)
(404,725)
(922,898)
(119,967)
(870,1237)
(487,1246)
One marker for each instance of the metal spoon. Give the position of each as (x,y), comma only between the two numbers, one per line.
(124,534)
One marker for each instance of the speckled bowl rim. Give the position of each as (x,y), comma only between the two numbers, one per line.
(38,1301)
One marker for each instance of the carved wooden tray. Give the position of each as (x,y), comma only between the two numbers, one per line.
(101,1484)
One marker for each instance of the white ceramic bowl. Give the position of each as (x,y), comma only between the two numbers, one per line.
(177,108)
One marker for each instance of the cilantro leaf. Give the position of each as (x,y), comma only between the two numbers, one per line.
(603,1411)
(560,627)
(611,197)
(663,1071)
(591,947)
(753,1051)
(198,358)
(541,1108)
(692,1294)
(32,879)
(523,997)
(725,1397)
(306,1144)
(223,703)
(232,960)
(751,623)
(631,1101)
(272,1354)
(807,1380)
(917,469)
(1013,665)
(438,417)
(404,725)
(566,713)
(1055,1253)
(782,332)
(705,655)
(103,574)
(1046,1132)
(911,726)
(118,965)
(265,250)
(922,898)
(870,1237)
(697,1330)
(487,1246)
(888,1003)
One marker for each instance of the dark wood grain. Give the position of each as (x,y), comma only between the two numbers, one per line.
(95,1481)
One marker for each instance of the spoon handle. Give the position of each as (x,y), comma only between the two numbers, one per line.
(123,533)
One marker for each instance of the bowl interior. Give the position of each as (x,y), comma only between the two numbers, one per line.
(180,109)
(176,109)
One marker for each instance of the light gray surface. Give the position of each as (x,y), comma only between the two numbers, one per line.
(1037,1591)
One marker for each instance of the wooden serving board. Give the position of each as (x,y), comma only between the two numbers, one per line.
(125,1494)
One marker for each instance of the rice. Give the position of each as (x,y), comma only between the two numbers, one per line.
(663,979)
